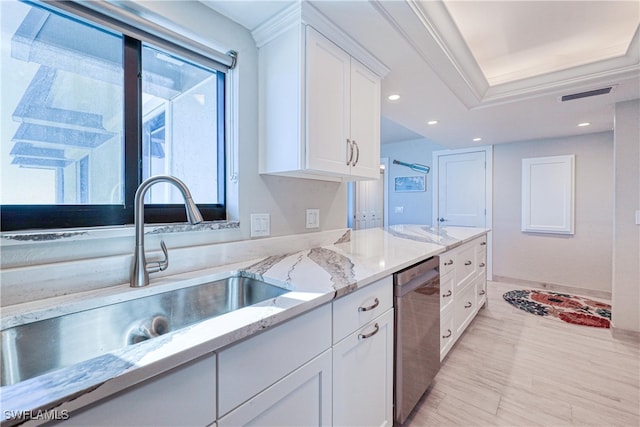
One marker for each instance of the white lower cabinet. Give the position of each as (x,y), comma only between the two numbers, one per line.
(363,356)
(464,308)
(302,398)
(447,337)
(363,375)
(184,396)
(463,286)
(251,366)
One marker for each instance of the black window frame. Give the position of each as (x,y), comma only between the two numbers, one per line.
(28,217)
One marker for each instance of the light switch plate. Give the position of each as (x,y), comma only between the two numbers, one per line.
(313,218)
(260,225)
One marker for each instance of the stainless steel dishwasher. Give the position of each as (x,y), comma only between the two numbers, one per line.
(417,334)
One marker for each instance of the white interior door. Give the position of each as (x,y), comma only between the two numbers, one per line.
(462,189)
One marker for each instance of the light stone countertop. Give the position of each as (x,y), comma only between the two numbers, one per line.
(313,277)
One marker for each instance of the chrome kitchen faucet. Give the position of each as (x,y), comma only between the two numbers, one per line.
(141,268)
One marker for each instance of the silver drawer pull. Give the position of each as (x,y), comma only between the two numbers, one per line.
(448,294)
(370,334)
(482,292)
(467,263)
(376,302)
(468,305)
(450,262)
(483,243)
(448,334)
(481,264)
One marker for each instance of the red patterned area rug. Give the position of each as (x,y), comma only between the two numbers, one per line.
(568,308)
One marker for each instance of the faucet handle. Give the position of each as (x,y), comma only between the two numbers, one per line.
(155,266)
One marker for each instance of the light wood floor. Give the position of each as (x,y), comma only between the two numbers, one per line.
(511,368)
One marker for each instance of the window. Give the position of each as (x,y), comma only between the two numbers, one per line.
(89,112)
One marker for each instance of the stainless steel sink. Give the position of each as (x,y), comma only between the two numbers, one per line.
(33,349)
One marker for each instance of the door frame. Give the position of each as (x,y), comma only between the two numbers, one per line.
(488,150)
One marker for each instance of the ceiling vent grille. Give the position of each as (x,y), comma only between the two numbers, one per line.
(587,94)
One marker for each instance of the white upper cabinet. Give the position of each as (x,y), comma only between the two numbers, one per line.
(319,106)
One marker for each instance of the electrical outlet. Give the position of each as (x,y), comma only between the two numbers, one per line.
(260,225)
(313,218)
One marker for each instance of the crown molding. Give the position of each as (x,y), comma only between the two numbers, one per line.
(303,13)
(429,29)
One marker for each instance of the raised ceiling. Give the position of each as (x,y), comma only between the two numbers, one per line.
(491,70)
(521,39)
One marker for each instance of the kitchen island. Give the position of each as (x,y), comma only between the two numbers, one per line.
(313,277)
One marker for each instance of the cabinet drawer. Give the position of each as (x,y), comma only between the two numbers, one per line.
(447,262)
(467,265)
(481,290)
(446,289)
(464,308)
(447,331)
(249,367)
(360,307)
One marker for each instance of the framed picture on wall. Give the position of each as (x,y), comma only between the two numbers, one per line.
(409,184)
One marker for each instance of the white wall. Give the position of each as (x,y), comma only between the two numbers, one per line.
(286,199)
(417,206)
(626,234)
(582,260)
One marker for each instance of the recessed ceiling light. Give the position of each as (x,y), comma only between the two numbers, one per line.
(584,124)
(477,139)
(394,97)
(432,122)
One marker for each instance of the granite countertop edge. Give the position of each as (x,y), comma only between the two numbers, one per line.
(338,270)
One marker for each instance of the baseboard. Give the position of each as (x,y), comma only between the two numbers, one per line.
(555,287)
(625,335)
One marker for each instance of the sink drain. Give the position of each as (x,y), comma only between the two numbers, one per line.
(148,328)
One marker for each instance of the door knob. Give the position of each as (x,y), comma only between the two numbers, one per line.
(442,219)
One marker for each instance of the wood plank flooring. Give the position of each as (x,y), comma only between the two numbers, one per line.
(512,368)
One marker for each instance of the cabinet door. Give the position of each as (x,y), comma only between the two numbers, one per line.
(447,331)
(363,375)
(365,121)
(328,85)
(302,398)
(464,308)
(249,367)
(446,289)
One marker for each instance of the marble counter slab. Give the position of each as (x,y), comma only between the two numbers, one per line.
(312,276)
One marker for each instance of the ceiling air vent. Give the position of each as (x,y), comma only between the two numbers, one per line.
(603,91)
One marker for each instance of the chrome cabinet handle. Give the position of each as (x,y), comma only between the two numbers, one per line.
(467,263)
(376,302)
(450,262)
(448,294)
(448,334)
(483,243)
(481,264)
(370,334)
(349,152)
(355,162)
(482,292)
(468,305)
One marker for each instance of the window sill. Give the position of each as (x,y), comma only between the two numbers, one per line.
(11,238)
